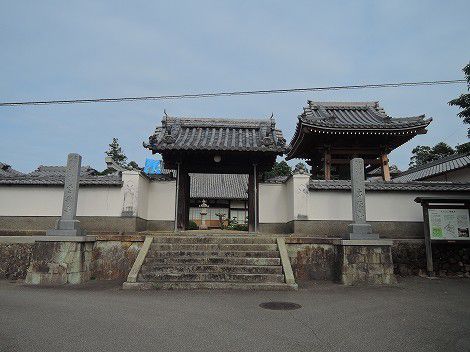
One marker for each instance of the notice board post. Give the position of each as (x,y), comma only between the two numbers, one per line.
(445,220)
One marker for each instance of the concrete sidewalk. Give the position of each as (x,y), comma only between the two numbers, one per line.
(417,315)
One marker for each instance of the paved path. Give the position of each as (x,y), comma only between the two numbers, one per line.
(418,315)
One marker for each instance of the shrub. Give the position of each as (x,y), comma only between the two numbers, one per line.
(192,225)
(240,227)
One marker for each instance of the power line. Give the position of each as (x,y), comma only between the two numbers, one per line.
(236,93)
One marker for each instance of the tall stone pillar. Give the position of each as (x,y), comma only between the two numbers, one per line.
(68,225)
(359,229)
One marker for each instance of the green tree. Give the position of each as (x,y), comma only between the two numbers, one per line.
(463,148)
(279,169)
(464,100)
(423,154)
(133,165)
(116,153)
(118,156)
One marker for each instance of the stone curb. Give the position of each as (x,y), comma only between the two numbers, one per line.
(286,266)
(132,277)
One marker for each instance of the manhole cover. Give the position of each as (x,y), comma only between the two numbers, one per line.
(280,305)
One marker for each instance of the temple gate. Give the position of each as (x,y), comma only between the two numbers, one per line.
(229,146)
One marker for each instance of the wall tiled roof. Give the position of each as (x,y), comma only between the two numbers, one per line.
(6,170)
(219,186)
(356,115)
(55,175)
(217,134)
(277,179)
(391,186)
(437,167)
(43,171)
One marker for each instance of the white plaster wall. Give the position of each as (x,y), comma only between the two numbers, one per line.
(161,200)
(329,205)
(380,206)
(272,203)
(289,199)
(47,201)
(143,193)
(300,197)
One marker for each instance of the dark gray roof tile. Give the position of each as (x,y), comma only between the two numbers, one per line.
(6,170)
(108,180)
(356,115)
(219,186)
(345,185)
(434,168)
(54,175)
(177,133)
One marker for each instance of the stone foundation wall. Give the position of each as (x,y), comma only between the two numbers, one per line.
(14,260)
(113,257)
(371,265)
(314,261)
(58,263)
(450,259)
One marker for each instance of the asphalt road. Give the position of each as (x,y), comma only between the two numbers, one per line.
(418,315)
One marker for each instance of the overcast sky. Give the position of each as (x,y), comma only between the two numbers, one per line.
(59,50)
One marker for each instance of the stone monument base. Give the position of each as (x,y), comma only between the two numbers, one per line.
(71,233)
(366,262)
(66,228)
(361,236)
(361,232)
(60,260)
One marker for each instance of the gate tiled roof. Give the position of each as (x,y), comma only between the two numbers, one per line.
(356,115)
(177,133)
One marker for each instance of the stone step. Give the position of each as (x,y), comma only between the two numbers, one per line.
(212,247)
(217,260)
(215,239)
(218,277)
(208,285)
(189,253)
(218,269)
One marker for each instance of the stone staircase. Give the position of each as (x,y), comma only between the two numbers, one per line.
(212,261)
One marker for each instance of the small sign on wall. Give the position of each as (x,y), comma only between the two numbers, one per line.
(448,224)
(446,219)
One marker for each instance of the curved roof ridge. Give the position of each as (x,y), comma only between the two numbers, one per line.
(220,119)
(374,104)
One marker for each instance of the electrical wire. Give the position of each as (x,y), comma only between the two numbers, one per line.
(229,94)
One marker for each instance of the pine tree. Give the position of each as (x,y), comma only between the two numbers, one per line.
(116,153)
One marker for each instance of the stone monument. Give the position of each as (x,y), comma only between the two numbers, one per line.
(64,256)
(68,225)
(359,229)
(203,211)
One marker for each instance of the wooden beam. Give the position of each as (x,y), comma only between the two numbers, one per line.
(327,164)
(385,167)
(183,199)
(347,161)
(251,202)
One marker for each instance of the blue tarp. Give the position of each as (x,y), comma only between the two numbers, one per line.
(153,167)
